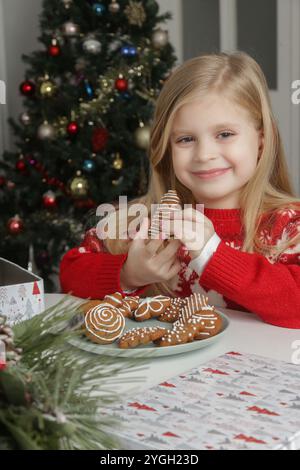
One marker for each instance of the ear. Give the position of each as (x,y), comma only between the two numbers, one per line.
(261,143)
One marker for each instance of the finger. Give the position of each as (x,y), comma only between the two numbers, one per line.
(153,246)
(174,269)
(168,252)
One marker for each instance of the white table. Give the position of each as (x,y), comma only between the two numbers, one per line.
(246,333)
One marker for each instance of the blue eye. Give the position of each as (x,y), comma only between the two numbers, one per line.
(185,140)
(226,134)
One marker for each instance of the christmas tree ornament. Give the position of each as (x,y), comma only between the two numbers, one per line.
(99,139)
(88,89)
(46,131)
(142,137)
(114,7)
(54,48)
(21,165)
(27,88)
(73,128)
(15,225)
(121,84)
(31,160)
(118,163)
(47,88)
(160,38)
(2,181)
(92,46)
(89,166)
(49,200)
(25,118)
(135,13)
(129,51)
(99,8)
(70,29)
(79,186)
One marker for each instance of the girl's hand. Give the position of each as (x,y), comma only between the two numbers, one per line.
(144,265)
(192,227)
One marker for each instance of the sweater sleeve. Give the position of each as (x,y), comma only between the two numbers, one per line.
(272,291)
(89,272)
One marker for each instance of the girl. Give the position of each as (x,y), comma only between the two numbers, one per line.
(215,141)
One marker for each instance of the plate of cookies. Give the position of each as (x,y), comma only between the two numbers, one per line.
(148,327)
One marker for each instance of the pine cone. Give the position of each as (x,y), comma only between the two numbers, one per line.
(13,354)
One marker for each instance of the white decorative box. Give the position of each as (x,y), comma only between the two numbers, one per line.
(234,402)
(21,293)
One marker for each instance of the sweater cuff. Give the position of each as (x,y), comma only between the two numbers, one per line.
(198,264)
(226,271)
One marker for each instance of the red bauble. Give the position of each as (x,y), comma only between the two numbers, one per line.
(15,225)
(54,51)
(99,139)
(2,181)
(49,200)
(121,84)
(21,165)
(72,128)
(27,88)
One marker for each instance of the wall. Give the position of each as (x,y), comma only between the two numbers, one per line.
(18,35)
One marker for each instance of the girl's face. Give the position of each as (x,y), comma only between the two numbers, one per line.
(213,133)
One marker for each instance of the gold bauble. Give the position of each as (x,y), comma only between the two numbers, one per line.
(118,162)
(142,137)
(47,89)
(79,187)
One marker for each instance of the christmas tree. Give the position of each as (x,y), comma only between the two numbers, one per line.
(89,95)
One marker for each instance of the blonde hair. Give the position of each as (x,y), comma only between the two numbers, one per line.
(239,76)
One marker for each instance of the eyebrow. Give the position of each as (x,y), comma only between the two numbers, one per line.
(213,128)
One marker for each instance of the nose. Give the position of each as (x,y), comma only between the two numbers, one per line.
(205,150)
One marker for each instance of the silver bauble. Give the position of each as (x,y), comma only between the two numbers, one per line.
(114,7)
(92,46)
(142,137)
(46,131)
(160,38)
(70,29)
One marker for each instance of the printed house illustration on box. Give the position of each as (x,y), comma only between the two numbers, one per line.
(21,292)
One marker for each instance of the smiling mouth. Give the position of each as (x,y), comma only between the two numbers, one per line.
(212,173)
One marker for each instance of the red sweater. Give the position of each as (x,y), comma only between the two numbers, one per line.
(231,278)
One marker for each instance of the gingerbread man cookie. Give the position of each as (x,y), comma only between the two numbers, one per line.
(138,336)
(211,324)
(181,333)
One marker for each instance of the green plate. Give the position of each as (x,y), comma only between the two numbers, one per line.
(147,350)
